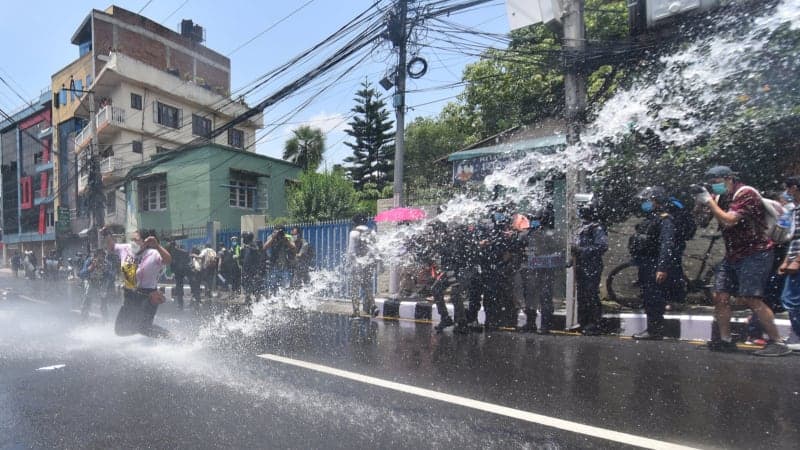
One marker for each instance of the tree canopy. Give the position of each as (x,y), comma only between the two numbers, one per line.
(305,148)
(322,196)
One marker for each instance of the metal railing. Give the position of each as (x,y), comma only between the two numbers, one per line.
(110,115)
(110,164)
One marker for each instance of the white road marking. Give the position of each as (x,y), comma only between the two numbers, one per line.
(566,425)
(25,297)
(48,368)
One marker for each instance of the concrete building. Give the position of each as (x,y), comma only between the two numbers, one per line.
(152,90)
(27,179)
(191,187)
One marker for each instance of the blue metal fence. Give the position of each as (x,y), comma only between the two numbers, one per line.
(329,240)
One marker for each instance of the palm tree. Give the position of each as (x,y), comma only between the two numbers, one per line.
(305,148)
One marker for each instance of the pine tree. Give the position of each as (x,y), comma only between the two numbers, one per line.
(373,150)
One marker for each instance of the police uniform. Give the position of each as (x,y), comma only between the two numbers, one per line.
(589,245)
(654,248)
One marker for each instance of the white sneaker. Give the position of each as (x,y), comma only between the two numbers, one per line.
(794,347)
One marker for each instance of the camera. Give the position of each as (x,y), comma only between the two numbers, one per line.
(699,188)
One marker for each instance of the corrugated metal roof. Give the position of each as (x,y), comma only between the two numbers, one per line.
(525,145)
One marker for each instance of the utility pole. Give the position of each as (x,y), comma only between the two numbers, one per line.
(575,102)
(95,184)
(399,102)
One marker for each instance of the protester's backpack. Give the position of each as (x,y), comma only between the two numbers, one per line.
(685,225)
(778,231)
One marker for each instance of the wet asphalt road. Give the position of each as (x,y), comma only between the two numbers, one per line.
(209,389)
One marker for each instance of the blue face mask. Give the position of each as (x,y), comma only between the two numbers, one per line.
(535,224)
(647,206)
(719,188)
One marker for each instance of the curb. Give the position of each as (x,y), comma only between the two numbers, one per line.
(678,326)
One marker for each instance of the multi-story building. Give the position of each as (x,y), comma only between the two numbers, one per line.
(137,89)
(27,179)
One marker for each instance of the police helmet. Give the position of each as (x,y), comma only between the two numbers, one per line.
(657,193)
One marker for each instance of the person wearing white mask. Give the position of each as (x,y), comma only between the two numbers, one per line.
(142,261)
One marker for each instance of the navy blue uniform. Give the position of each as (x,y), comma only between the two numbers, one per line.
(655,248)
(589,245)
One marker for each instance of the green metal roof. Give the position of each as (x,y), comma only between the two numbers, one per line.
(526,145)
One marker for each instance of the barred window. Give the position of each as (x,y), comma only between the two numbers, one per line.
(236,138)
(153,193)
(169,116)
(243,190)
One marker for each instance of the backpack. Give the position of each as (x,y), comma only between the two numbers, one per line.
(779,231)
(685,225)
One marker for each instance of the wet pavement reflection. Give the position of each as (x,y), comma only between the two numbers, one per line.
(672,391)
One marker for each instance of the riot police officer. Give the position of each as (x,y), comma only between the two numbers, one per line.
(656,252)
(589,244)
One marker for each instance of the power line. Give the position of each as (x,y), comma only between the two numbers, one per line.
(274,24)
(175,10)
(143,7)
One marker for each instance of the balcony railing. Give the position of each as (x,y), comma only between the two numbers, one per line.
(82,139)
(108,115)
(111,164)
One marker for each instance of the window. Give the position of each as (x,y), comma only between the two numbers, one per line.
(201,126)
(137,146)
(236,138)
(153,193)
(243,190)
(136,101)
(169,116)
(111,203)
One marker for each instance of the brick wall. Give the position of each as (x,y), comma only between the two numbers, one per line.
(154,45)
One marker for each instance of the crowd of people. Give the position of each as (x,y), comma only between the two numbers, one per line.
(504,262)
(257,269)
(508,267)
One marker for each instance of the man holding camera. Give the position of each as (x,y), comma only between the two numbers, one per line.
(748,256)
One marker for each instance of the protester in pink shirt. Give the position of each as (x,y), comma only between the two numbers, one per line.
(142,261)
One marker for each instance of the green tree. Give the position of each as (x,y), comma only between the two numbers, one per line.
(305,148)
(322,196)
(428,140)
(373,149)
(525,82)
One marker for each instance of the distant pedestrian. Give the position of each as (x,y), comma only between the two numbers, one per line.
(280,257)
(181,268)
(361,261)
(303,260)
(251,268)
(16,263)
(748,256)
(95,274)
(208,274)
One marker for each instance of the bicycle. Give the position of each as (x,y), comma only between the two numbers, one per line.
(623,287)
